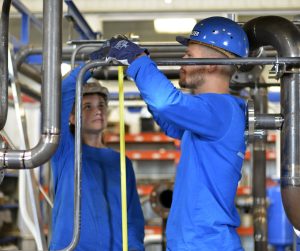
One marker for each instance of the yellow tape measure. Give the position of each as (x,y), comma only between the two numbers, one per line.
(123,158)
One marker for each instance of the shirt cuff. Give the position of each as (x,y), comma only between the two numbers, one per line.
(136,65)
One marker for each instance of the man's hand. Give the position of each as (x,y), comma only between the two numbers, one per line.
(119,48)
(123,50)
(102,52)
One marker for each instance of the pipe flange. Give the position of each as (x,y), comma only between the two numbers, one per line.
(161,198)
(250,120)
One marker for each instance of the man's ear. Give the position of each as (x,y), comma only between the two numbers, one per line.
(72,119)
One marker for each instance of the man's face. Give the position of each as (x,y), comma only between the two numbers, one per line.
(192,76)
(94,114)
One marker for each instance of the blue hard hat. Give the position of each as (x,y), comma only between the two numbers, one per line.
(219,32)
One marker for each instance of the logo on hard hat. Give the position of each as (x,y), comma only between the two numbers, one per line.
(195,33)
(121,44)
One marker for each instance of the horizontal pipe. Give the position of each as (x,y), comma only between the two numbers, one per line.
(31,72)
(268,121)
(230,61)
(25,52)
(36,95)
(28,159)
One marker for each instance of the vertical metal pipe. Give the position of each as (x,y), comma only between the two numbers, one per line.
(290,147)
(4,25)
(259,177)
(284,36)
(52,48)
(78,152)
(51,96)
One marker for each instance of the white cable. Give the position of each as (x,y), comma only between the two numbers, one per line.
(23,174)
(22,204)
(22,191)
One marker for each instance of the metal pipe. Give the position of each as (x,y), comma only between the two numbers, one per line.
(259,177)
(36,95)
(111,73)
(4,26)
(41,153)
(31,72)
(283,35)
(92,47)
(293,60)
(78,151)
(25,52)
(268,121)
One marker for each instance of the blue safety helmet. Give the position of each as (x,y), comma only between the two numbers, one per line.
(219,32)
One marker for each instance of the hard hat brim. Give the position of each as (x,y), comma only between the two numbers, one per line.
(183,40)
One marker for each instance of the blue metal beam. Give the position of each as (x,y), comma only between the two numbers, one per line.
(80,23)
(25,31)
(24,11)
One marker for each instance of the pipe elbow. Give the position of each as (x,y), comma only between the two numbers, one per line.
(290,197)
(43,151)
(261,31)
(28,159)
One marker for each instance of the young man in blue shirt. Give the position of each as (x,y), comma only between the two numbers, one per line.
(210,124)
(101,220)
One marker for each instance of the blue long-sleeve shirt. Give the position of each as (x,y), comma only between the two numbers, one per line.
(211,128)
(101,219)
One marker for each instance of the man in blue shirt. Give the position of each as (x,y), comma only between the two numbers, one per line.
(101,219)
(210,124)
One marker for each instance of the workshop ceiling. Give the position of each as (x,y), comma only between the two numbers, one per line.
(112,17)
(154,6)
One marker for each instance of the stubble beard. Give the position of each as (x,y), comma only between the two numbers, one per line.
(193,80)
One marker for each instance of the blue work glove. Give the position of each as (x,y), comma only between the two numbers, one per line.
(123,50)
(102,52)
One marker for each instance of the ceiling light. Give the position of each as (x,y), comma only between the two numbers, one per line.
(174,25)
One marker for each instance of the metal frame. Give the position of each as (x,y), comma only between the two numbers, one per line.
(27,18)
(80,24)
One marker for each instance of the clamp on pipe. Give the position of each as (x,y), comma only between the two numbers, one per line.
(257,124)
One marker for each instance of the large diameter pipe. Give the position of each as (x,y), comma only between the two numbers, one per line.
(4,25)
(51,96)
(284,36)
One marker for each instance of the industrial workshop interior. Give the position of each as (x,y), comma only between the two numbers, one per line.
(140,184)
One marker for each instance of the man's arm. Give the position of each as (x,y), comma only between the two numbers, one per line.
(199,114)
(169,129)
